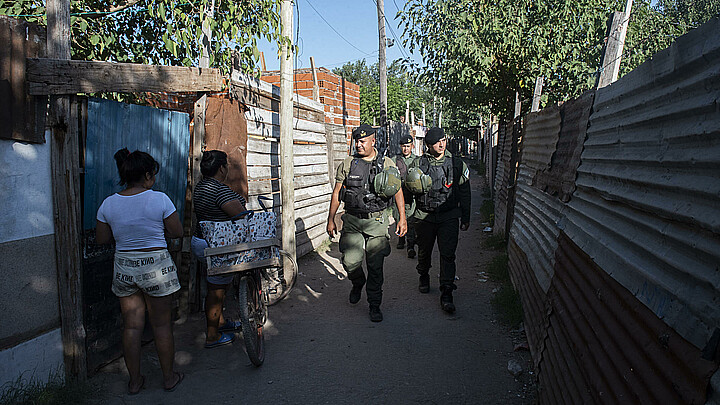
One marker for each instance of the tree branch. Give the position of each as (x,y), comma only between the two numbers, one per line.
(102,13)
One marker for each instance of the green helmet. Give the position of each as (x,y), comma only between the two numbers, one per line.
(418,182)
(387,182)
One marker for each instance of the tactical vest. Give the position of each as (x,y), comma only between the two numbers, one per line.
(403,169)
(441,196)
(358,193)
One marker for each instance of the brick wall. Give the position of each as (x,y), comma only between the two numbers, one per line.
(341,98)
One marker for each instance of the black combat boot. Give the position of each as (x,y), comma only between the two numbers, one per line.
(401,242)
(424,285)
(375,313)
(358,281)
(411,253)
(446,299)
(355,294)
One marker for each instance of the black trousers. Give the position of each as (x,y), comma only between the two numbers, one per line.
(446,233)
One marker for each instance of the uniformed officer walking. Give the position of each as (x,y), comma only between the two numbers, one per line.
(442,186)
(366,183)
(404,161)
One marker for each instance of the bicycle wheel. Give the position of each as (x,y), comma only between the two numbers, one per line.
(279,281)
(252,316)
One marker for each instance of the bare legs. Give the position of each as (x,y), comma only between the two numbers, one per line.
(160,311)
(213,311)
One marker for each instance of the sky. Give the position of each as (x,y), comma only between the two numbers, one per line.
(356,38)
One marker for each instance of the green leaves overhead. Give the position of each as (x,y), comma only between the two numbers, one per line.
(165,32)
(480,52)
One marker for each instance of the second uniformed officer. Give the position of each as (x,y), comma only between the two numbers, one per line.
(442,189)
(404,161)
(366,183)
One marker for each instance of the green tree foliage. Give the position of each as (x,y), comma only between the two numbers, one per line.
(401,88)
(165,32)
(480,52)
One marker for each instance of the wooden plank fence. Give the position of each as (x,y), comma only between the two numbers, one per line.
(318,150)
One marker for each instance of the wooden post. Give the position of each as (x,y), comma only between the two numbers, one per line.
(316,88)
(262,62)
(206,38)
(287,168)
(382,63)
(195,287)
(65,161)
(610,66)
(536,94)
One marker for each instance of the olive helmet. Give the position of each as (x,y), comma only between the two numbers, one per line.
(387,183)
(418,182)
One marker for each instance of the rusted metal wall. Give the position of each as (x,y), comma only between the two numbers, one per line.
(501,177)
(536,213)
(22,116)
(615,242)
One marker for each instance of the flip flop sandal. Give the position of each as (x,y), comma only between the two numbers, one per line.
(225,339)
(230,326)
(142,385)
(181,376)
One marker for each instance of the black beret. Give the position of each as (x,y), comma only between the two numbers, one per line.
(433,135)
(363,131)
(406,139)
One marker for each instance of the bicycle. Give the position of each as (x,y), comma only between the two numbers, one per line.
(262,276)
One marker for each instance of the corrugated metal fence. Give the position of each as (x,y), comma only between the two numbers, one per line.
(614,241)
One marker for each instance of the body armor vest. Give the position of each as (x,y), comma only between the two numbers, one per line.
(403,169)
(358,193)
(441,196)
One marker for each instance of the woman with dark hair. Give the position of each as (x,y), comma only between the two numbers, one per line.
(145,276)
(213,200)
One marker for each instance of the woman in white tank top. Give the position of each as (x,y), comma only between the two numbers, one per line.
(145,276)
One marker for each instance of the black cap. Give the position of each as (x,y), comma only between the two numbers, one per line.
(433,135)
(364,130)
(406,139)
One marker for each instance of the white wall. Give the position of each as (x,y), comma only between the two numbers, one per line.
(25,191)
(35,359)
(30,339)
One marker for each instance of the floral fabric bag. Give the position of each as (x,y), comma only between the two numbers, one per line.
(262,225)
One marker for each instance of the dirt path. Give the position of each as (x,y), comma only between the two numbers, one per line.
(321,349)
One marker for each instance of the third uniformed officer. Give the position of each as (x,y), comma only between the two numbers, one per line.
(442,189)
(366,183)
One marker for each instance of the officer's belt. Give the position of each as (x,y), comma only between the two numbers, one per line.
(366,215)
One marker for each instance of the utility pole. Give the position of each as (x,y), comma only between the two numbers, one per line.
(287,167)
(382,63)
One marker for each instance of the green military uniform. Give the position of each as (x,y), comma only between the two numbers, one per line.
(442,223)
(406,162)
(364,235)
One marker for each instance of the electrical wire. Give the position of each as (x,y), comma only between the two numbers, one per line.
(333,28)
(402,50)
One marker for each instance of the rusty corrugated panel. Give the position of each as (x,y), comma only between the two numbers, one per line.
(559,180)
(535,212)
(502,178)
(600,333)
(22,116)
(532,296)
(646,208)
